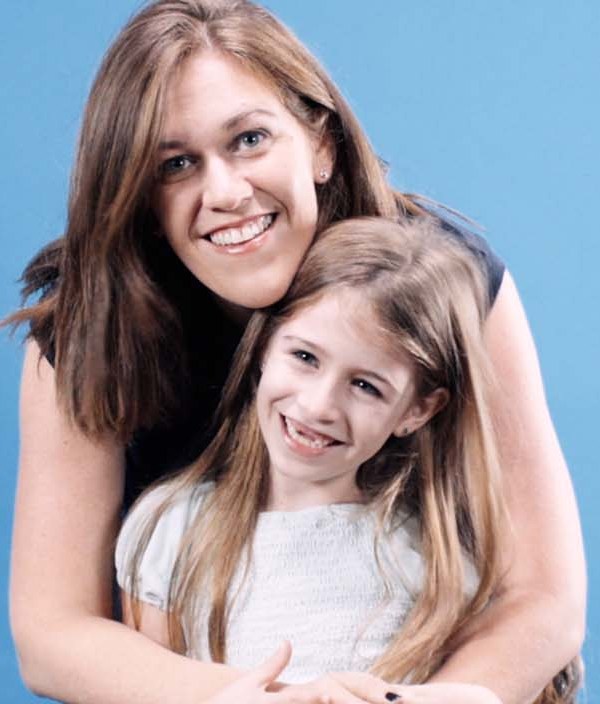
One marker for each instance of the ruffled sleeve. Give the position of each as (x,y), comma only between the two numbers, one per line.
(157,563)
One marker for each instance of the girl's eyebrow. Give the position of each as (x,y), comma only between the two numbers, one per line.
(169,144)
(229,125)
(306,343)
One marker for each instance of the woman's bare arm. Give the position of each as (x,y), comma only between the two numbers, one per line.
(66,518)
(536,624)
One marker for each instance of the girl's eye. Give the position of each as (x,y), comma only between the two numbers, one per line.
(367,387)
(306,357)
(250,140)
(176,165)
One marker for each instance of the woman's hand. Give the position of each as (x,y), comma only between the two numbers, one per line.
(260,686)
(445,693)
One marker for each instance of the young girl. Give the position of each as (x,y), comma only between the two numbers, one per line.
(351,500)
(212,149)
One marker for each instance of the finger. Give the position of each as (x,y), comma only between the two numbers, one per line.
(342,695)
(272,667)
(368,687)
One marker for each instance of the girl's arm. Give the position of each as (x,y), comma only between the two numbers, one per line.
(536,624)
(66,518)
(261,686)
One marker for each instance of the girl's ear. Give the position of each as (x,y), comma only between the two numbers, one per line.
(422,411)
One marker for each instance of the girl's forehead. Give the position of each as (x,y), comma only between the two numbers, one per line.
(344,314)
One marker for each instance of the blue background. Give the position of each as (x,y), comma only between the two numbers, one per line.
(492,107)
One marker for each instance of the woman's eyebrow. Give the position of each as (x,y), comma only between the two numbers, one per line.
(232,123)
(241,116)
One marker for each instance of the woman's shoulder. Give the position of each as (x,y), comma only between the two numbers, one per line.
(466,232)
(491,263)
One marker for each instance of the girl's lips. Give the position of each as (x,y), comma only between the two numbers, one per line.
(304,440)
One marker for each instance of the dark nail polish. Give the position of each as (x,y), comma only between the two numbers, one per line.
(392,697)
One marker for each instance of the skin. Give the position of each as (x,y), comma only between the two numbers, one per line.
(324,379)
(228,145)
(66,518)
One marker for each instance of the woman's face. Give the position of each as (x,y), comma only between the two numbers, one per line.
(236,188)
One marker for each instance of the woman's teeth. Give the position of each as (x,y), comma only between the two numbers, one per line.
(316,441)
(237,235)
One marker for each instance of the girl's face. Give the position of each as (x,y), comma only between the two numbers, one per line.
(236,190)
(329,397)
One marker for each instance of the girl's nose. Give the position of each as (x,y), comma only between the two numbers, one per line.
(320,402)
(224,187)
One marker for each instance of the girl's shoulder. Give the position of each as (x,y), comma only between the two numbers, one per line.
(164,512)
(402,547)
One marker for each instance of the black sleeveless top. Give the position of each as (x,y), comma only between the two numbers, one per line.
(210,339)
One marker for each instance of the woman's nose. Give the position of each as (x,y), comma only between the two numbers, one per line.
(224,187)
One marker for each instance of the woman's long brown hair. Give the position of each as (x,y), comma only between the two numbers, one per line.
(428,295)
(107,312)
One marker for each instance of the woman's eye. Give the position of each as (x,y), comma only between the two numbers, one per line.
(306,357)
(175,166)
(367,387)
(250,140)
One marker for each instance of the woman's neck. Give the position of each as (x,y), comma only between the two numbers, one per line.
(236,313)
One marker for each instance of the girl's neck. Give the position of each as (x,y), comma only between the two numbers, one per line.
(296,496)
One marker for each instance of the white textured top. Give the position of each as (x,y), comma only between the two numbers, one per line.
(316,580)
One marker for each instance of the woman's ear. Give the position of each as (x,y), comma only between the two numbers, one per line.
(422,411)
(324,157)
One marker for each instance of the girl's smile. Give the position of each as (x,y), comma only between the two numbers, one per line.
(305,440)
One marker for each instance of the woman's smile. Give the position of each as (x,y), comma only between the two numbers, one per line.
(247,230)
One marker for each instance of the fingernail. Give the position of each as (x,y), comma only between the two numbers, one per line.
(392,697)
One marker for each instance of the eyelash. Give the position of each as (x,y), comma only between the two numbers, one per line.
(367,387)
(362,384)
(169,168)
(238,140)
(305,357)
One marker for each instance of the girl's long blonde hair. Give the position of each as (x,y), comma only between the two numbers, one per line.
(428,295)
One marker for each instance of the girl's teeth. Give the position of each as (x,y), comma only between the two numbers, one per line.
(316,443)
(237,235)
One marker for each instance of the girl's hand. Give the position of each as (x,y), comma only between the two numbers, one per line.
(445,693)
(260,686)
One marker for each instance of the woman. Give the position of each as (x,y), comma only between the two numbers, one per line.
(167,166)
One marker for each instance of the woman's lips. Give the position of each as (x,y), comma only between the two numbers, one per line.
(235,237)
